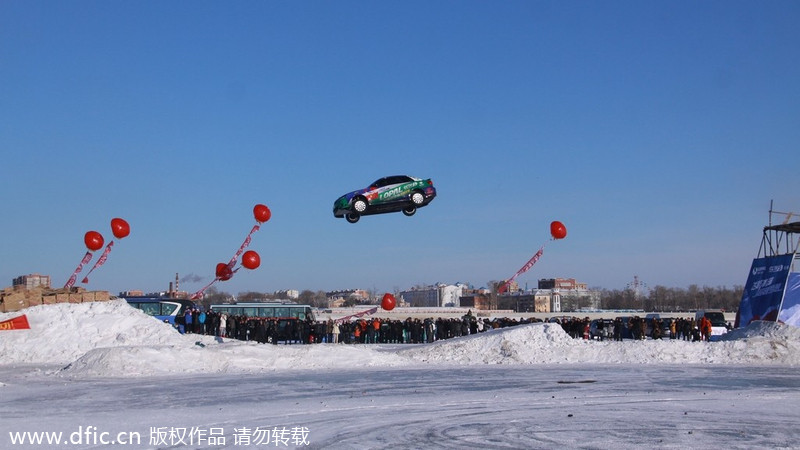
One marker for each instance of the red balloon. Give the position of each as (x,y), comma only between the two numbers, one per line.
(251,260)
(558,230)
(261,213)
(93,240)
(388,303)
(120,228)
(220,268)
(224,272)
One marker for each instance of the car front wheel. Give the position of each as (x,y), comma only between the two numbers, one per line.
(359,205)
(352,218)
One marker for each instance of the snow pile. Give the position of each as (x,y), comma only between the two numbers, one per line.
(63,332)
(529,344)
(545,343)
(766,330)
(229,357)
(112,339)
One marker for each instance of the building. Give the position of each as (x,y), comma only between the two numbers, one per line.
(450,294)
(31,281)
(540,301)
(132,293)
(512,287)
(567,291)
(550,297)
(568,284)
(349,296)
(476,300)
(292,294)
(555,301)
(435,296)
(417,297)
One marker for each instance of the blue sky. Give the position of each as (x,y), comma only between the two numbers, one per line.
(657,132)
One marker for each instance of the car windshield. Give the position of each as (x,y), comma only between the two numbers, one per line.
(717,319)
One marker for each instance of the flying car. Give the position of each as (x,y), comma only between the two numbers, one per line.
(389,194)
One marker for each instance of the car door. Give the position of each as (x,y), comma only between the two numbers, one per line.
(393,189)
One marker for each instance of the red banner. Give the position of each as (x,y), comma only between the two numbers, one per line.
(358,315)
(86,258)
(17,323)
(100,261)
(524,269)
(244,246)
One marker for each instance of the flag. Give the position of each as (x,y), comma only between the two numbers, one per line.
(16,323)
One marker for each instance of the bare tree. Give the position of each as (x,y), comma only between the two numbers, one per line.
(252,296)
(320,299)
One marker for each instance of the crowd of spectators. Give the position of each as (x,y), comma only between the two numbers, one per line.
(417,331)
(360,331)
(619,328)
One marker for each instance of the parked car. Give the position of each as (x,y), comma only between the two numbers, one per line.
(399,193)
(718,324)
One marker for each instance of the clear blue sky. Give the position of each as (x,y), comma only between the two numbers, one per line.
(657,132)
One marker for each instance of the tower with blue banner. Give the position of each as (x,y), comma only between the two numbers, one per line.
(772,291)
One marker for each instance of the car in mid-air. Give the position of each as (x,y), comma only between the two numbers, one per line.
(388,194)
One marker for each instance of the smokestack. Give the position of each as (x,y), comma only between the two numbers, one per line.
(176,283)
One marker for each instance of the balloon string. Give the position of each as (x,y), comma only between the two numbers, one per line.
(231,263)
(100,261)
(199,293)
(244,245)
(86,258)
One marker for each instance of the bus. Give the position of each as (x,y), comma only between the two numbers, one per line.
(165,309)
(284,312)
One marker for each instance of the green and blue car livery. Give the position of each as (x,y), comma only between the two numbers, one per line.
(388,194)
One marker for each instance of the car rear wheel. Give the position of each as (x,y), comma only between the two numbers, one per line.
(417,198)
(409,210)
(352,218)
(360,205)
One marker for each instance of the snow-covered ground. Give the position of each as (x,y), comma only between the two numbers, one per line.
(101,372)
